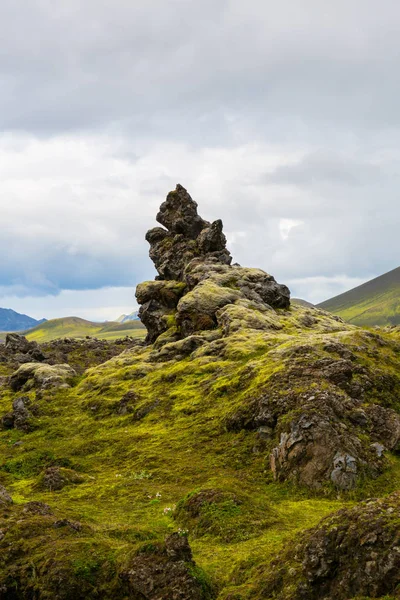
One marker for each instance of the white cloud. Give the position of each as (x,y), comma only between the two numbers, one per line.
(286,225)
(279,118)
(318,289)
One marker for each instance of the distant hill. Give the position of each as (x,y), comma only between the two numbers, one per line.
(133,316)
(13,321)
(75,327)
(376,302)
(302,302)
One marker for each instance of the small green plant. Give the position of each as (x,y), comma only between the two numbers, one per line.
(142,475)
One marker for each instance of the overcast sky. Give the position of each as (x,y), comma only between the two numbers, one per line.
(281,118)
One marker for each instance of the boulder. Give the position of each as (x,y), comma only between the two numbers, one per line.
(36,375)
(20,417)
(165,571)
(56,478)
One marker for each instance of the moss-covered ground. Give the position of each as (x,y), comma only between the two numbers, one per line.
(138,466)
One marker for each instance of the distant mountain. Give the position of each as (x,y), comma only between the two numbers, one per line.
(302,302)
(13,321)
(376,302)
(75,327)
(133,316)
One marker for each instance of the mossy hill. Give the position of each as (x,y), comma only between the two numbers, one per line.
(376,302)
(248,452)
(74,327)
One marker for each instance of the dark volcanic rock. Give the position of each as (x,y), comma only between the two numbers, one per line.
(56,478)
(5,498)
(165,572)
(37,508)
(21,415)
(353,553)
(195,277)
(315,420)
(23,350)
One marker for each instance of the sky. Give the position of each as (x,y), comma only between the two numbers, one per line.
(281,119)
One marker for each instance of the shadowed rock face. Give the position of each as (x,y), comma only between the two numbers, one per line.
(186,236)
(195,277)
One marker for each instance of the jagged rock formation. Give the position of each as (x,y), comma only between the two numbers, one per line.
(196,281)
(354,552)
(22,350)
(322,418)
(241,427)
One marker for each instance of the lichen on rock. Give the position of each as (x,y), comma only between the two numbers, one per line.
(195,276)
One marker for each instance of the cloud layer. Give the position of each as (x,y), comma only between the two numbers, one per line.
(281,119)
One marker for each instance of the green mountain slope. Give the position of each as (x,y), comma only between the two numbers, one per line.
(75,327)
(376,302)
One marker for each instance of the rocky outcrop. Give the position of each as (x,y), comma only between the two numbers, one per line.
(319,420)
(79,353)
(22,350)
(21,415)
(353,553)
(166,571)
(196,280)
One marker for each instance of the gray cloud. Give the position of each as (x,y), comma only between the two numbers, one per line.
(162,67)
(280,118)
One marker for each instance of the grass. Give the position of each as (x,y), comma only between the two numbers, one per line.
(133,467)
(376,302)
(75,327)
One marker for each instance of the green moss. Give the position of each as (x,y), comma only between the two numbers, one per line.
(134,468)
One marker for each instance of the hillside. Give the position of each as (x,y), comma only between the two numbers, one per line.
(74,327)
(376,302)
(13,321)
(249,450)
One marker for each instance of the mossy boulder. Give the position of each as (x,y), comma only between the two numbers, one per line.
(38,375)
(222,514)
(166,571)
(56,478)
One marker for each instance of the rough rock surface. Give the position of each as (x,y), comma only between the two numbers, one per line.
(5,498)
(196,280)
(31,375)
(80,353)
(56,478)
(320,421)
(21,415)
(22,350)
(353,553)
(165,572)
